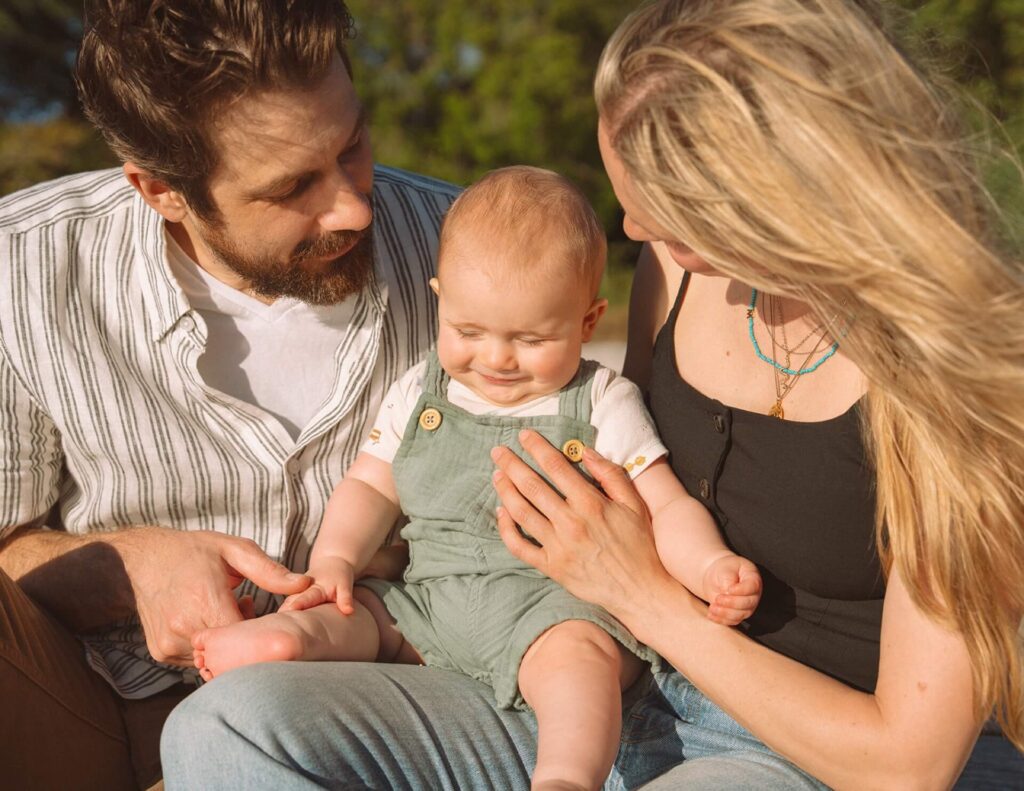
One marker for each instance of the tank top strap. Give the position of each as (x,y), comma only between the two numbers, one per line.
(674,313)
(574,400)
(435,379)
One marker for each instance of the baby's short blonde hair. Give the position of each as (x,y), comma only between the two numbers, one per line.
(543,217)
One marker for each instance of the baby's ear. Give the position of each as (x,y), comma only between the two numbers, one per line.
(435,286)
(592,316)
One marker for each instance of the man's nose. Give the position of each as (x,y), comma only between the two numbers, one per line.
(350,209)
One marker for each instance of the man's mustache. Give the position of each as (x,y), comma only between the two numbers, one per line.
(331,244)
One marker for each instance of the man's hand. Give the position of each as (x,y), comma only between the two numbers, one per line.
(184,582)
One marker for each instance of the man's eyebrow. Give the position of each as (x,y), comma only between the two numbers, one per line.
(282,182)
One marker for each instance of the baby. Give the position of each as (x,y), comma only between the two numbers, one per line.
(520,260)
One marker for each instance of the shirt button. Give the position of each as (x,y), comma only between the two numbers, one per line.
(705,488)
(430,419)
(573,450)
(719,424)
(292,466)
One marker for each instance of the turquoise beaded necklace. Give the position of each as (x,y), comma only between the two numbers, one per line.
(757,348)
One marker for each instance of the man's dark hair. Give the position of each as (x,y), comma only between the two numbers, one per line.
(153,74)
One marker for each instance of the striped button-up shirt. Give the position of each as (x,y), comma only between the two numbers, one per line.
(104,413)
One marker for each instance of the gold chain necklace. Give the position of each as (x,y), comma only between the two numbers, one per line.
(784,383)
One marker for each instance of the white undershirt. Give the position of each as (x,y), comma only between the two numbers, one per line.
(278,357)
(625,431)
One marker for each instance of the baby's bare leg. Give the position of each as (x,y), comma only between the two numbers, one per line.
(319,633)
(573,676)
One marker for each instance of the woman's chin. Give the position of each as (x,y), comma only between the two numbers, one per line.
(691,262)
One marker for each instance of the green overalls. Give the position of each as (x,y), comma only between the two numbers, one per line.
(466,603)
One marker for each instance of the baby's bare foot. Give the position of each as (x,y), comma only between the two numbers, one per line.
(273,638)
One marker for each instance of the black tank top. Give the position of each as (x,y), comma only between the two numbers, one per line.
(795,498)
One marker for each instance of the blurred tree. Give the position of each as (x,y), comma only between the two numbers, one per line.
(38,39)
(980,45)
(457,87)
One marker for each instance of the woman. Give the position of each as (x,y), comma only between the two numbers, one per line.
(801,181)
(834,351)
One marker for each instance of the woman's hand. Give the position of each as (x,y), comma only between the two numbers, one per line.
(598,545)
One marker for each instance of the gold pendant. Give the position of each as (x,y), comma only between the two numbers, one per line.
(776,411)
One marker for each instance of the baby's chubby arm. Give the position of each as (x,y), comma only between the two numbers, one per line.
(361,510)
(692,550)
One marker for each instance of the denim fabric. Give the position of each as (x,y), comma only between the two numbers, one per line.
(313,725)
(675,737)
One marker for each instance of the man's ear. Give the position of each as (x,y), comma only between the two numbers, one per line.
(435,286)
(165,201)
(592,316)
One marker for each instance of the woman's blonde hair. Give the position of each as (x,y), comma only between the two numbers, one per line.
(793,146)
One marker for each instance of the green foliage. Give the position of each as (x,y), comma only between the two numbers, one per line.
(979,45)
(37,42)
(34,152)
(457,87)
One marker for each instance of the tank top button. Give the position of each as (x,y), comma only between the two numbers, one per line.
(719,422)
(705,488)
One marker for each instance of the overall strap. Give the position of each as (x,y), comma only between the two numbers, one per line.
(574,399)
(435,379)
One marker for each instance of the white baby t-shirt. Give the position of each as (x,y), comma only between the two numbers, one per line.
(625,431)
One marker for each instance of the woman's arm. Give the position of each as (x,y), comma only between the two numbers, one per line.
(915,731)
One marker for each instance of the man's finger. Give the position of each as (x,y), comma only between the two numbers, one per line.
(247,607)
(225,610)
(249,561)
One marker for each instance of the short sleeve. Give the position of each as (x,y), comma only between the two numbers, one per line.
(30,455)
(625,430)
(393,416)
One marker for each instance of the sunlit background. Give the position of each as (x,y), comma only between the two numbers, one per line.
(456,87)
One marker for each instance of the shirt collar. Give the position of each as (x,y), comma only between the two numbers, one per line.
(164,298)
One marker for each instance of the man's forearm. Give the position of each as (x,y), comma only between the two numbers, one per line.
(80,580)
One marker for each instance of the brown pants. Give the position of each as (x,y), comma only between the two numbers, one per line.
(61,725)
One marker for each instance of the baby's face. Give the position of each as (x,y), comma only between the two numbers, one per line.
(511,342)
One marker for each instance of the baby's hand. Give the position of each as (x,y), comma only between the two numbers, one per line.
(733,588)
(332,582)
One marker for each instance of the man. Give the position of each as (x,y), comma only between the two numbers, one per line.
(188,360)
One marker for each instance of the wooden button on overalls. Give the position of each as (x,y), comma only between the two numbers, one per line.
(573,450)
(430,419)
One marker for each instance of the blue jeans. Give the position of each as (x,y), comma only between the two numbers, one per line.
(306,725)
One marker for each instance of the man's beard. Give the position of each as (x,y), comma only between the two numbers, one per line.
(327,285)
